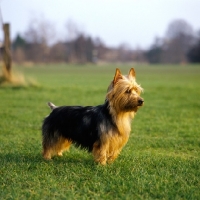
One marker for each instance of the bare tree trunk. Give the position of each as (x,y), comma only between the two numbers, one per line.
(6,49)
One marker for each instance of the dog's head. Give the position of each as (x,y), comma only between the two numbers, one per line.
(124,92)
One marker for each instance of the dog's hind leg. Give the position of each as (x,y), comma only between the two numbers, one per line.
(47,147)
(62,145)
(47,153)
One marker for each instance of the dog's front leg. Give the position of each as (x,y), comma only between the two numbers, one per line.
(100,152)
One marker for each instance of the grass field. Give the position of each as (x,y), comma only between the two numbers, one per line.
(160,161)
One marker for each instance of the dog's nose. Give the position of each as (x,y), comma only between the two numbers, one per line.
(140,102)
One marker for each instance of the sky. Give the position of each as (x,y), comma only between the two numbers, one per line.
(133,22)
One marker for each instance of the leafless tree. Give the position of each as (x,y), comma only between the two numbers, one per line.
(19,55)
(38,37)
(72,34)
(58,52)
(179,38)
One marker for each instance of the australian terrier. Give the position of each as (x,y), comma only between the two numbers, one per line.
(102,130)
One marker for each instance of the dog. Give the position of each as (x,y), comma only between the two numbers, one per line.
(102,130)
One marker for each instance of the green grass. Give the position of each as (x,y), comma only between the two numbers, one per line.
(160,161)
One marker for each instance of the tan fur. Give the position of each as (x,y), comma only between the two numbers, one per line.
(57,149)
(123,95)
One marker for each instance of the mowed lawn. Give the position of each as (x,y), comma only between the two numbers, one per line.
(160,161)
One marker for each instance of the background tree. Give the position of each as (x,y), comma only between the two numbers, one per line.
(72,34)
(90,50)
(179,38)
(38,37)
(194,51)
(154,54)
(58,52)
(19,42)
(19,48)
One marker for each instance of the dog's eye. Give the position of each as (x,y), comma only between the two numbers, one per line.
(128,91)
(136,90)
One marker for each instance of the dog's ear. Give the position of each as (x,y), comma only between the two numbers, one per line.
(117,76)
(131,74)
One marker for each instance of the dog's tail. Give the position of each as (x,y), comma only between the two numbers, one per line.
(51,105)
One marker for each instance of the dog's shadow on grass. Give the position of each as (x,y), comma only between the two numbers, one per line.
(27,159)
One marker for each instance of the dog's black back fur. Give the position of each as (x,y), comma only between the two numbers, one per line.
(81,125)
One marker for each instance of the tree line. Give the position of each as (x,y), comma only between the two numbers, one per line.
(180,45)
